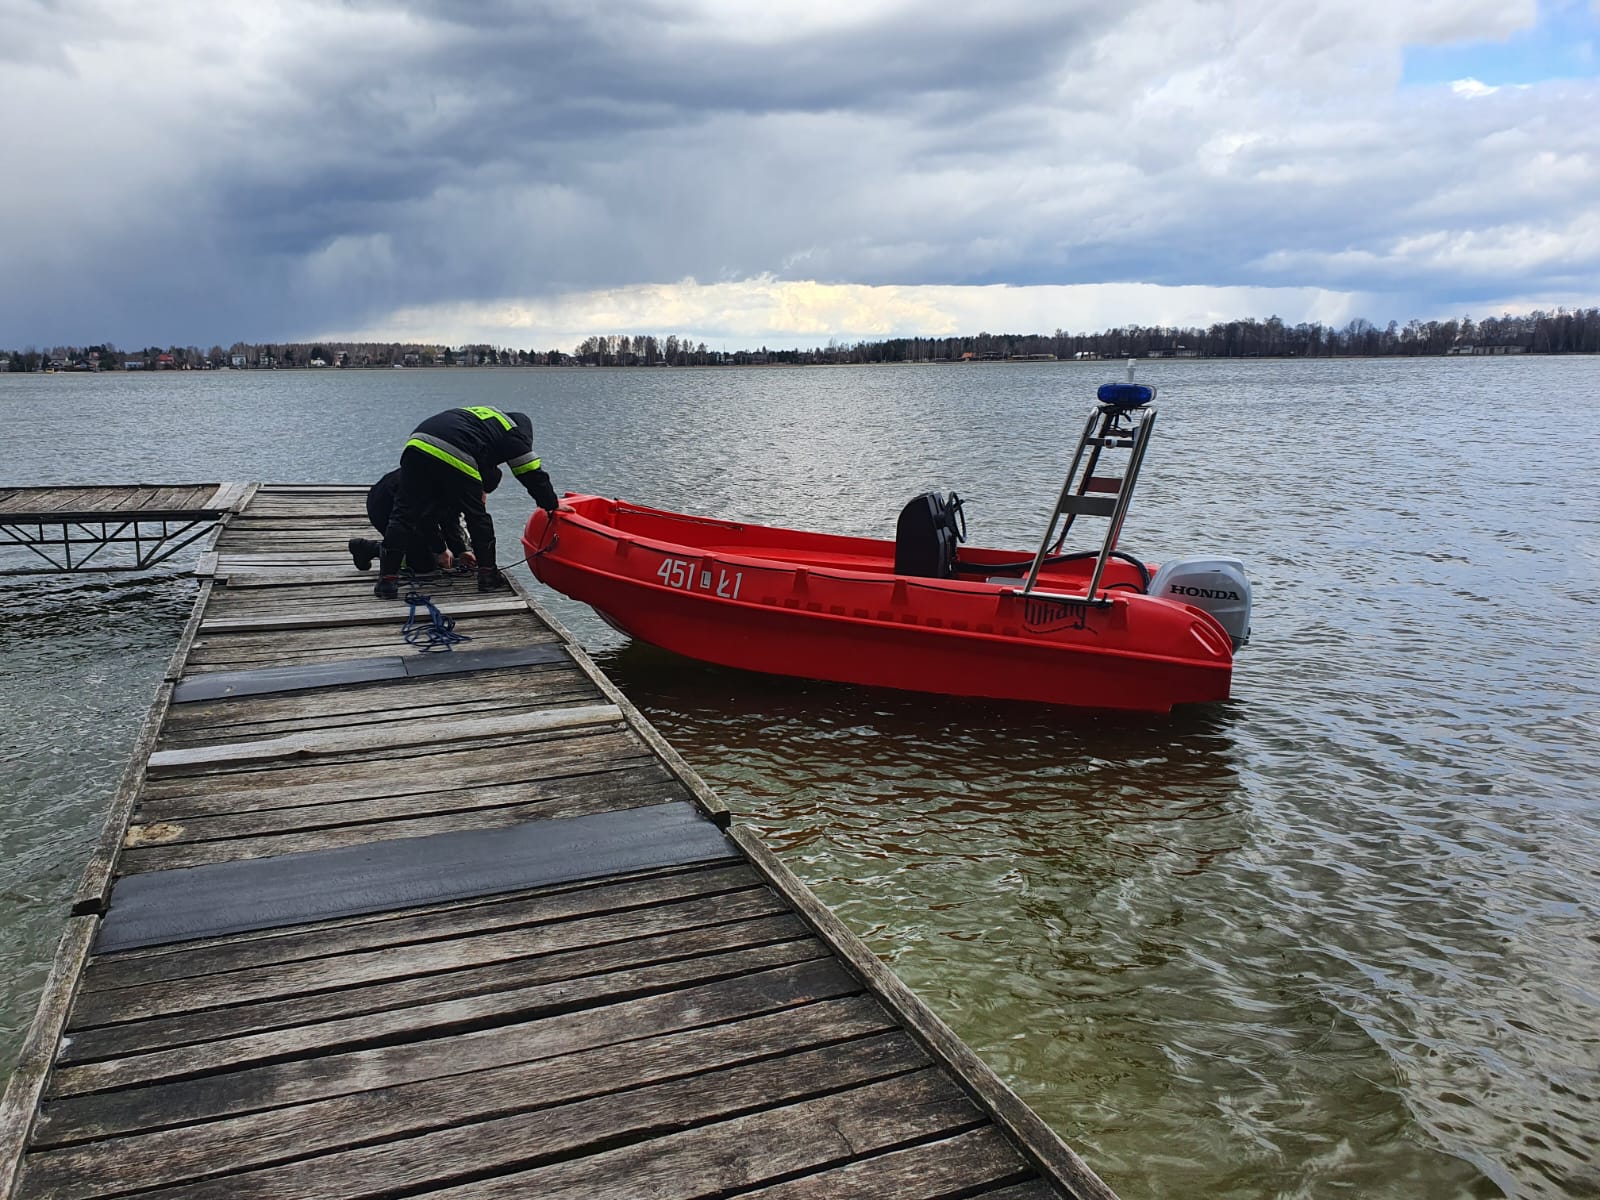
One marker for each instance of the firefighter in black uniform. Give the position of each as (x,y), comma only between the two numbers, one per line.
(445,544)
(441,474)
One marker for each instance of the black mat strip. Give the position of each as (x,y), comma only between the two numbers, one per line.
(317,885)
(219,685)
(421,665)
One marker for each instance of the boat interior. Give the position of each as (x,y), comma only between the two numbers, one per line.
(927,545)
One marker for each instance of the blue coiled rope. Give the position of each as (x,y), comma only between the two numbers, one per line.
(437,632)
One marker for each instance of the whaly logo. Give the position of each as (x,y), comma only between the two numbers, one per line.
(1049,616)
(1185,590)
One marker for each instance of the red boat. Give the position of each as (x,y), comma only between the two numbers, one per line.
(1095,629)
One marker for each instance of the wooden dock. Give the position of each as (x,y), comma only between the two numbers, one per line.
(368,922)
(68,528)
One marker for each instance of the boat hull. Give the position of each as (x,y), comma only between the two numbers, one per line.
(813,606)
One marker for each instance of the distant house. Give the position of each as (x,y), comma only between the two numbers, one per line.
(1482,348)
(165,362)
(133,364)
(237,362)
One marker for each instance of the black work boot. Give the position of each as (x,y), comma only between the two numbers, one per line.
(492,581)
(388,587)
(363,551)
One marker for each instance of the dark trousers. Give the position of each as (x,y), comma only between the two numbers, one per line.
(421,553)
(430,492)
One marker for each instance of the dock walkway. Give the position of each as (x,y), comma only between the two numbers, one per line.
(68,528)
(367,922)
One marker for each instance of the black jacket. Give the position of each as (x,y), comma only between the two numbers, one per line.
(474,440)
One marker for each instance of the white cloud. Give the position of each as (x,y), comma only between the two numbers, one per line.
(1560,256)
(1442,22)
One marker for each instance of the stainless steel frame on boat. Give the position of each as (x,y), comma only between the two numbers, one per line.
(1121,422)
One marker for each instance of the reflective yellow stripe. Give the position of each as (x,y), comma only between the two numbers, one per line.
(484,413)
(444,456)
(523,468)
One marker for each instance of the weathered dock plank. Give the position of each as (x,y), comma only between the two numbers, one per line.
(367,922)
(386,1116)
(404,698)
(324,616)
(69,502)
(198,841)
(412,928)
(113,1022)
(391,737)
(67,528)
(303,785)
(244,652)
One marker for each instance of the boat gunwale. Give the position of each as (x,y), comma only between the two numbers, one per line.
(959,586)
(971,589)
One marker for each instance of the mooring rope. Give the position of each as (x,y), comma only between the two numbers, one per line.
(551,538)
(437,632)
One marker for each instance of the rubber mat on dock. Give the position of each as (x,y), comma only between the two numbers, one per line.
(221,685)
(317,885)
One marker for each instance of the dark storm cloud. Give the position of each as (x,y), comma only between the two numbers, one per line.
(292,167)
(643,54)
(546,96)
(513,146)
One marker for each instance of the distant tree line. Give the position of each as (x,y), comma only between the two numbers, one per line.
(1560,332)
(273,355)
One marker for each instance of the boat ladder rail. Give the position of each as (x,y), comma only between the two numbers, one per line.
(1092,491)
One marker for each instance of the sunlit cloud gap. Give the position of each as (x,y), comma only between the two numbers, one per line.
(767,311)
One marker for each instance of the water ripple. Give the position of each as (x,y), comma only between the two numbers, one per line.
(1336,936)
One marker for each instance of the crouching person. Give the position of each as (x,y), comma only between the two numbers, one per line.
(442,473)
(445,545)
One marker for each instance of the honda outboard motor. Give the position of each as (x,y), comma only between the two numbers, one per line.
(926,536)
(1217,585)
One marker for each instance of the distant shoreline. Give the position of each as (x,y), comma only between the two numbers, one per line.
(1538,333)
(729,365)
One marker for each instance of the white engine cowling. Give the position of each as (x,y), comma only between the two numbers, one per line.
(1217,585)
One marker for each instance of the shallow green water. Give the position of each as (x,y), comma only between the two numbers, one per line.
(1335,936)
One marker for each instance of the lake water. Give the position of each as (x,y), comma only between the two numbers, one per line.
(1337,936)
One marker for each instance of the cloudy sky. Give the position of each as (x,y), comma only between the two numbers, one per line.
(783,172)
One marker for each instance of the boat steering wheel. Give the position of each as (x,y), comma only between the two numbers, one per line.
(959,517)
